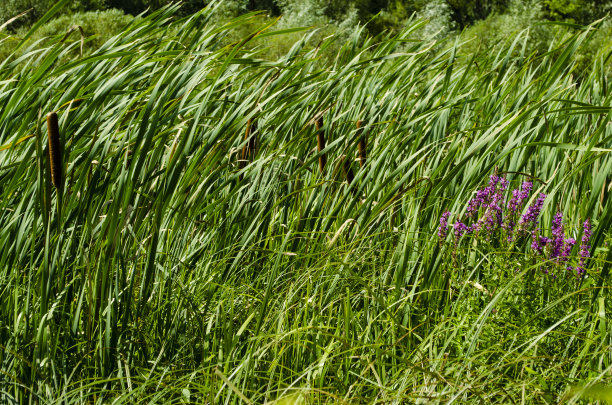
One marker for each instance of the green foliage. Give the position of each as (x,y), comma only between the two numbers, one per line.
(500,30)
(467,12)
(174,268)
(439,21)
(101,25)
(393,18)
(576,11)
(98,27)
(12,8)
(139,6)
(317,12)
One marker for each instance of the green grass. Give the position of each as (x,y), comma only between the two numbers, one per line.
(165,271)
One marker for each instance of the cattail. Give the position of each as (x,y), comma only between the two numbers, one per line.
(362,143)
(55,151)
(321,143)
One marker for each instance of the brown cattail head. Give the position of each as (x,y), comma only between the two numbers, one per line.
(362,143)
(55,151)
(321,143)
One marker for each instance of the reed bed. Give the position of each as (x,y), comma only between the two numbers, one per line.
(165,279)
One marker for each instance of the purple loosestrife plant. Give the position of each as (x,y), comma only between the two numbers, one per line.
(530,218)
(484,196)
(538,242)
(460,229)
(519,196)
(567,249)
(558,236)
(443,228)
(491,219)
(515,205)
(491,200)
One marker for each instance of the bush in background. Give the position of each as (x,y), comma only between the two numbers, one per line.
(576,11)
(498,30)
(37,8)
(98,27)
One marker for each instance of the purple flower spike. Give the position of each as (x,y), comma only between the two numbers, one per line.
(519,196)
(515,205)
(567,247)
(558,235)
(493,180)
(533,212)
(443,229)
(482,199)
(537,242)
(544,240)
(504,184)
(460,229)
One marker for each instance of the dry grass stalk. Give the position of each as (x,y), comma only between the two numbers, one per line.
(321,143)
(55,151)
(362,143)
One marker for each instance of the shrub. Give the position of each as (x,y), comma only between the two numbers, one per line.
(466,12)
(576,11)
(12,8)
(439,16)
(98,26)
(498,29)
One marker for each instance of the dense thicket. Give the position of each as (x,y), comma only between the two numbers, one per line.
(462,12)
(482,25)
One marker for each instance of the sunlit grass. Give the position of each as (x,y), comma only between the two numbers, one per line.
(173,268)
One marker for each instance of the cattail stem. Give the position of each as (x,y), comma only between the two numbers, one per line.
(321,143)
(55,151)
(362,143)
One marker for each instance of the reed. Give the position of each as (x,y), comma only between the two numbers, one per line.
(55,151)
(282,285)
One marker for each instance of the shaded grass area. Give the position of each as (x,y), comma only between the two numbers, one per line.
(184,262)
